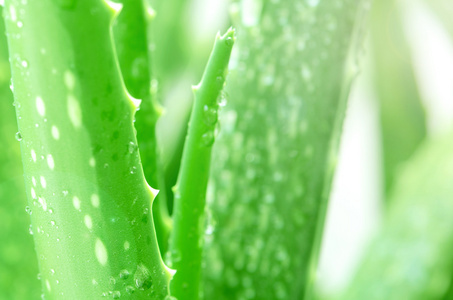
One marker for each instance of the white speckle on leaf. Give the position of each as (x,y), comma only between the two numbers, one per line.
(55,132)
(43,181)
(40,106)
(50,161)
(95,201)
(69,80)
(43,203)
(12,13)
(33,193)
(33,155)
(92,162)
(126,245)
(48,285)
(33,180)
(88,222)
(74,111)
(101,252)
(76,202)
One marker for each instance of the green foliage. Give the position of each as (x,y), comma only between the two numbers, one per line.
(131,34)
(190,191)
(89,200)
(411,257)
(276,153)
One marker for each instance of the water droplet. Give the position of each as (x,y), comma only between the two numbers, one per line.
(38,276)
(116,294)
(28,210)
(30,230)
(229,41)
(52,271)
(24,64)
(207,138)
(131,147)
(130,289)
(142,278)
(20,24)
(124,274)
(209,115)
(222,99)
(133,170)
(18,136)
(220,80)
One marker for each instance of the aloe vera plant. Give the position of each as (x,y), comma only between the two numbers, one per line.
(87,191)
(79,68)
(276,153)
(131,32)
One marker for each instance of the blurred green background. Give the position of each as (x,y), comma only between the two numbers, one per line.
(389,231)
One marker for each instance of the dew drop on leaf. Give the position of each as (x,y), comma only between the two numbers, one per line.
(207,138)
(131,147)
(229,41)
(222,99)
(18,136)
(130,289)
(209,115)
(124,274)
(133,170)
(142,278)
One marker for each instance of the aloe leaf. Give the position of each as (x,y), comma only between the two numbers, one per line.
(132,47)
(276,152)
(411,257)
(186,241)
(402,115)
(94,232)
(18,263)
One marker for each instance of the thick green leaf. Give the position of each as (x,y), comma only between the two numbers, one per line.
(411,257)
(132,47)
(276,152)
(186,241)
(90,203)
